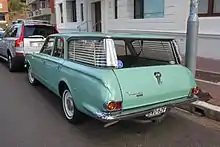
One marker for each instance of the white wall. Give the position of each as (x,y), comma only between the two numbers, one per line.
(173,24)
(66,26)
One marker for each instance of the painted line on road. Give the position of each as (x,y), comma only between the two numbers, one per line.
(208,71)
(6,59)
(208,82)
(207,105)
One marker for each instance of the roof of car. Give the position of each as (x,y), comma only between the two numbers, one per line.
(31,22)
(110,35)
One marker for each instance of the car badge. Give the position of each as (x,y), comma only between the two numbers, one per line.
(158,77)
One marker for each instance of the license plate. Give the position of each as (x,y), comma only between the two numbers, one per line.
(35,44)
(156,112)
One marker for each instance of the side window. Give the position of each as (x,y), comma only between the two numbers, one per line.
(8,31)
(59,48)
(14,32)
(48,46)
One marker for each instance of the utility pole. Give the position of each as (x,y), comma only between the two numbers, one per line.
(192,37)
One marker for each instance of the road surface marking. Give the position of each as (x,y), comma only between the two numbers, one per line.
(208,82)
(208,71)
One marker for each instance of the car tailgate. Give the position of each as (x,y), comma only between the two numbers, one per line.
(140,87)
(33,44)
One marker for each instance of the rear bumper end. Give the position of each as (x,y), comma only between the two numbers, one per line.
(129,114)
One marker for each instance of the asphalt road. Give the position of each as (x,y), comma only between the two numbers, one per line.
(32,117)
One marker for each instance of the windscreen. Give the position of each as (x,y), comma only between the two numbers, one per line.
(42,30)
(143,52)
(152,49)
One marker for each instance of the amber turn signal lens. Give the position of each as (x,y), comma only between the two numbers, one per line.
(112,106)
(195,90)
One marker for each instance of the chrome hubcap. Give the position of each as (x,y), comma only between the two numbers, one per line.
(30,77)
(68,104)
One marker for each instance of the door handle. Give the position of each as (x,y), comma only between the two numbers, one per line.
(58,67)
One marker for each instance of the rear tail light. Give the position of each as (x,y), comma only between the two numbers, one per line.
(113,106)
(195,90)
(20,41)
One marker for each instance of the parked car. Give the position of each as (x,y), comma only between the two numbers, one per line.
(1,34)
(23,36)
(112,77)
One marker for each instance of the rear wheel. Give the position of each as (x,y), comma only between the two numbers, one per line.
(71,113)
(11,64)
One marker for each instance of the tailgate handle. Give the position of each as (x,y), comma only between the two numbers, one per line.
(58,67)
(158,76)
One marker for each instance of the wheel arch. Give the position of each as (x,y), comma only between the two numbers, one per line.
(63,84)
(61,87)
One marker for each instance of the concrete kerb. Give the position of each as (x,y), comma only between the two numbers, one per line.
(209,110)
(202,108)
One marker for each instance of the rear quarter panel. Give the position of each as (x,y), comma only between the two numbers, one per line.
(10,45)
(91,87)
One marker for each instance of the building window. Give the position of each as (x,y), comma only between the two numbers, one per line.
(148,9)
(61,12)
(209,8)
(42,4)
(82,14)
(116,9)
(2,17)
(74,11)
(71,11)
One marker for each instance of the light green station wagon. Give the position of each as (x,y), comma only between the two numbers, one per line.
(113,77)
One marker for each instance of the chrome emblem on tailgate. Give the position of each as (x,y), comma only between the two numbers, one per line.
(158,77)
(137,94)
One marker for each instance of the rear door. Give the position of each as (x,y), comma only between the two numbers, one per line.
(35,35)
(153,83)
(8,42)
(3,42)
(54,64)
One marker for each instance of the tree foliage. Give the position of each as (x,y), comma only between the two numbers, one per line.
(16,7)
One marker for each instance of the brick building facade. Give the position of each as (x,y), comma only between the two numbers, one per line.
(4,16)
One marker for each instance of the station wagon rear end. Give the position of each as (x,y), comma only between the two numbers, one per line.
(112,77)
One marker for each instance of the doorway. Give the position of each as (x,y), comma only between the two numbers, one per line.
(97,24)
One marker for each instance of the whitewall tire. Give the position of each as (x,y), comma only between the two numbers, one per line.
(31,78)
(71,113)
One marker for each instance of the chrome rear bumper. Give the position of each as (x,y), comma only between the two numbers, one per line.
(110,117)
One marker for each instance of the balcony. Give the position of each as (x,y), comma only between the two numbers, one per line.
(30,14)
(28,2)
(40,12)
